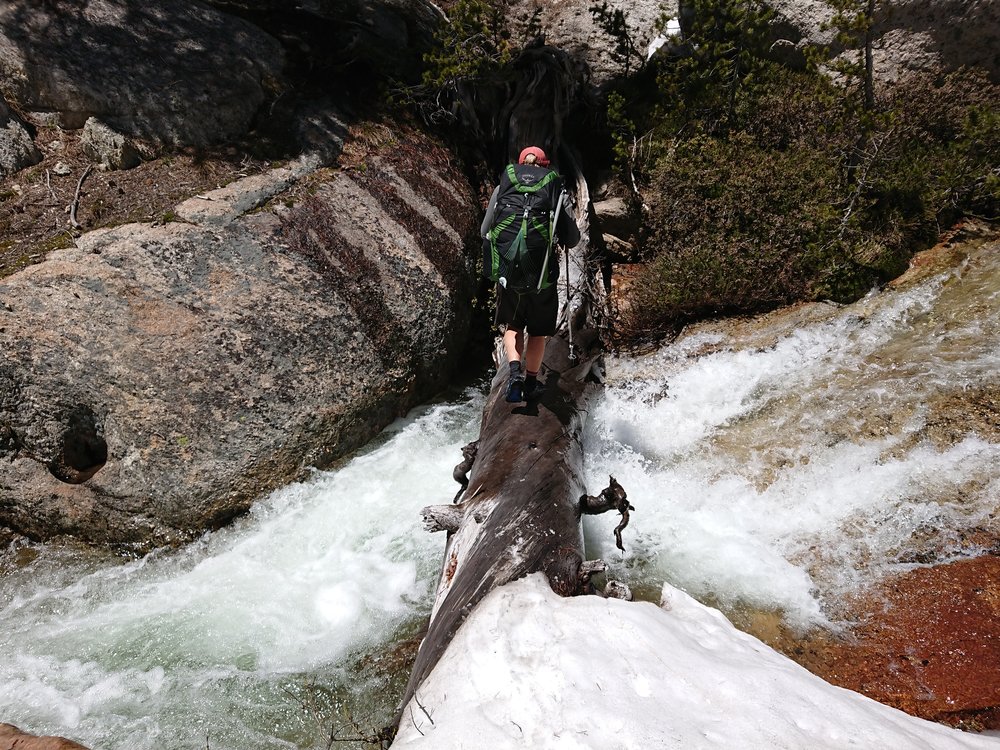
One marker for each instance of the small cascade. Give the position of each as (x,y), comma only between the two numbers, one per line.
(785,462)
(776,464)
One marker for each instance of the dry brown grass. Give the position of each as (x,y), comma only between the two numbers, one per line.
(34,203)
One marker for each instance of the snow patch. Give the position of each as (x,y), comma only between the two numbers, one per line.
(532,669)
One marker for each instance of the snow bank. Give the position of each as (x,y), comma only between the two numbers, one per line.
(531,669)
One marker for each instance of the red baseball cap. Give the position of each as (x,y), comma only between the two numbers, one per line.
(540,156)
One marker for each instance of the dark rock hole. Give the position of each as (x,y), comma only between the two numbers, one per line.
(84,450)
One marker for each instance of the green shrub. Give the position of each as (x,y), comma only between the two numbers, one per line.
(716,80)
(729,226)
(473,43)
(786,192)
(941,159)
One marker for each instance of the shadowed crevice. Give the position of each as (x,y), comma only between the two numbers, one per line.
(84,450)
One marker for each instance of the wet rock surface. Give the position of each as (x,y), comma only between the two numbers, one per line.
(12,738)
(925,637)
(927,642)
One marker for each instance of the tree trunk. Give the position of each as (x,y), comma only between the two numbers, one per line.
(522,507)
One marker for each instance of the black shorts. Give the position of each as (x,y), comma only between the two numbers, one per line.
(536,311)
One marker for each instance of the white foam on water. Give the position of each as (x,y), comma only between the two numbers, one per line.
(318,571)
(763,476)
(779,476)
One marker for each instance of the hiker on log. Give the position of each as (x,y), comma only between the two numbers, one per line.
(527,213)
(522,494)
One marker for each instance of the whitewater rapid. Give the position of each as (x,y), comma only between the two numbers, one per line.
(231,642)
(792,465)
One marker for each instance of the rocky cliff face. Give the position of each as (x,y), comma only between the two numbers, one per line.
(184,72)
(913,35)
(170,72)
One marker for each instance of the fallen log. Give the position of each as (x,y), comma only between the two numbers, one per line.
(522,508)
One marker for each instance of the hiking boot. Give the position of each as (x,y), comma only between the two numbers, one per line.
(535,392)
(515,389)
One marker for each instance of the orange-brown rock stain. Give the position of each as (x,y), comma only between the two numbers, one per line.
(926,642)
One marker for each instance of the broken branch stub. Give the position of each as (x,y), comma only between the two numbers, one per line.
(442,517)
(460,472)
(617,590)
(612,497)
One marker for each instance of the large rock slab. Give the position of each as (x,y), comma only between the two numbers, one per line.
(172,71)
(12,738)
(155,380)
(928,643)
(570,25)
(388,36)
(911,35)
(192,73)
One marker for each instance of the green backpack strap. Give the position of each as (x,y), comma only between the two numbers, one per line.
(553,218)
(492,235)
(512,176)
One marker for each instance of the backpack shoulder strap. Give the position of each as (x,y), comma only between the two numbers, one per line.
(522,188)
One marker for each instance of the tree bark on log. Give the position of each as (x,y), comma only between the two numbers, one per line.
(521,510)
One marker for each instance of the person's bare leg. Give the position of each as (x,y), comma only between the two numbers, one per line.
(535,353)
(513,344)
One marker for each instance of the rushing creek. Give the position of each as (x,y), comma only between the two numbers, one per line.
(775,468)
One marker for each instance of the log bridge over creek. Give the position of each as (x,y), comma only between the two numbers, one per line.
(521,510)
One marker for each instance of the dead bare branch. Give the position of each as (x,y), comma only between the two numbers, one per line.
(76,198)
(421,705)
(442,517)
(48,184)
(414,722)
(459,473)
(612,497)
(861,181)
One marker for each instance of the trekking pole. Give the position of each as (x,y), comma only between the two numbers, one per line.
(569,312)
(552,235)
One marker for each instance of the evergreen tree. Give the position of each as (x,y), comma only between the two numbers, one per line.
(854,21)
(475,42)
(727,43)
